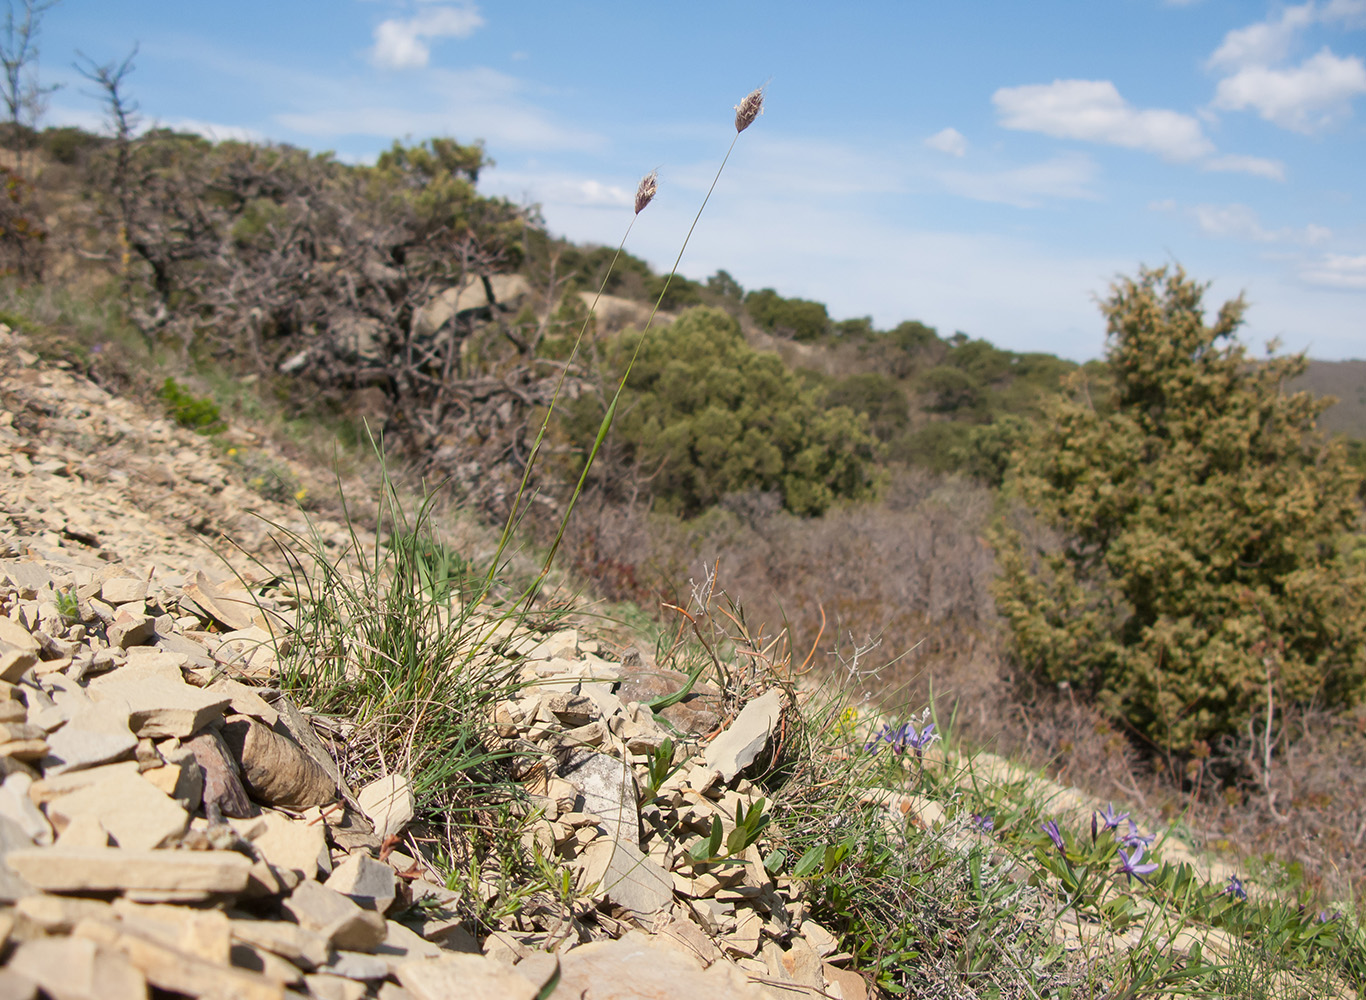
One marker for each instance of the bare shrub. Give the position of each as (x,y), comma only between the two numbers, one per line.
(912,571)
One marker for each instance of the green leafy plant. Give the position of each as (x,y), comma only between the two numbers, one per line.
(749,826)
(199,414)
(1199,574)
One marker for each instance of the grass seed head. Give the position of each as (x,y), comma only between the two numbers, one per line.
(749,109)
(645,191)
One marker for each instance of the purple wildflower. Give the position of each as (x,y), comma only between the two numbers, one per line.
(1328,916)
(902,739)
(1135,839)
(1130,867)
(1235,887)
(1112,820)
(875,744)
(983,823)
(1050,827)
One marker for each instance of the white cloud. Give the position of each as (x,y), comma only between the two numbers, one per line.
(402,43)
(1273,170)
(98,123)
(1335,270)
(1304,98)
(477,103)
(1264,42)
(1094,111)
(558,191)
(212,130)
(1240,222)
(1069,176)
(1351,13)
(948,140)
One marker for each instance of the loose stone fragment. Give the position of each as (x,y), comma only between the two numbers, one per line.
(180,777)
(18,808)
(388,803)
(608,788)
(329,987)
(94,735)
(231,610)
(206,934)
(59,914)
(291,844)
(745,738)
(335,917)
(470,977)
(245,700)
(635,968)
(222,784)
(170,969)
(130,630)
(627,877)
(123,590)
(137,815)
(114,869)
(18,650)
(16,986)
(76,969)
(305,948)
(157,706)
(272,966)
(367,882)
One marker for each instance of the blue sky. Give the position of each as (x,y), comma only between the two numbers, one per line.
(988,167)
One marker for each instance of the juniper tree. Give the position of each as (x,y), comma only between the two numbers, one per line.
(1199,571)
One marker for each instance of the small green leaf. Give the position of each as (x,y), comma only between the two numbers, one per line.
(809,861)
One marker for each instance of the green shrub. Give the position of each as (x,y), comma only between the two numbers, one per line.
(705,416)
(795,318)
(875,395)
(1201,569)
(199,414)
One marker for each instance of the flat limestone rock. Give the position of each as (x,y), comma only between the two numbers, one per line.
(168,968)
(123,590)
(76,969)
(18,650)
(160,707)
(470,977)
(367,882)
(287,843)
(636,968)
(233,610)
(336,917)
(115,869)
(608,789)
(12,838)
(745,738)
(626,876)
(245,699)
(305,948)
(387,803)
(137,814)
(17,808)
(94,735)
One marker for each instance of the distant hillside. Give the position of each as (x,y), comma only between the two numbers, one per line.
(1347,381)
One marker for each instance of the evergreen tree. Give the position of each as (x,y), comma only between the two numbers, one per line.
(1199,570)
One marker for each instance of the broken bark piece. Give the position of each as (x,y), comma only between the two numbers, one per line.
(301,730)
(223,788)
(275,769)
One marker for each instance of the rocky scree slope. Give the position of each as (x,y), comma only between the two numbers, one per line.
(171,822)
